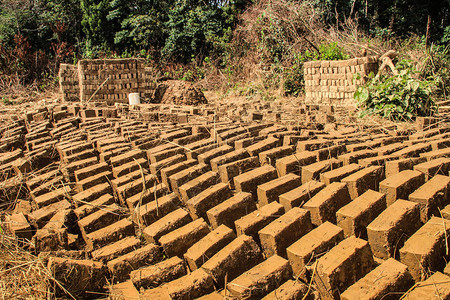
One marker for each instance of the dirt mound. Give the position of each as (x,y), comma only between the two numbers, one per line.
(178,92)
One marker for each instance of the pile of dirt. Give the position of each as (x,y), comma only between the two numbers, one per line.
(178,92)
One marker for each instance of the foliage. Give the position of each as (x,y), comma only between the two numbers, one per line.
(397,97)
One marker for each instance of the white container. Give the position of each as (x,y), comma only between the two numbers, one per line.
(133,99)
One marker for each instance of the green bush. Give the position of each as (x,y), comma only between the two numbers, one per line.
(399,97)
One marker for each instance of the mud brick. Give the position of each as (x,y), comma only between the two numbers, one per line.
(78,276)
(261,279)
(249,181)
(159,273)
(127,179)
(182,177)
(227,158)
(312,145)
(193,154)
(116,249)
(69,170)
(91,194)
(47,187)
(154,210)
(99,219)
(206,157)
(437,286)
(178,241)
(231,210)
(235,258)
(433,167)
(307,249)
(324,205)
(231,170)
(293,139)
(284,231)
(38,180)
(358,214)
(389,149)
(207,199)
(436,154)
(91,170)
(257,220)
(94,206)
(390,277)
(342,266)
(330,152)
(445,212)
(263,145)
(127,157)
(413,151)
(339,173)
(300,195)
(135,187)
(166,224)
(363,180)
(109,141)
(99,178)
(244,143)
(52,197)
(121,267)
(270,191)
(40,217)
(353,157)
(294,163)
(199,144)
(78,156)
(124,290)
(313,171)
(106,156)
(197,185)
(173,169)
(208,246)
(396,166)
(401,185)
(388,232)
(291,289)
(376,161)
(75,149)
(109,234)
(190,139)
(163,155)
(196,284)
(155,168)
(151,194)
(19,226)
(270,156)
(425,250)
(130,167)
(174,135)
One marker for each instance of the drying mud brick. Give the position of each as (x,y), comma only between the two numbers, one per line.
(121,267)
(196,284)
(231,210)
(389,277)
(252,223)
(122,291)
(363,180)
(263,145)
(249,181)
(284,231)
(99,219)
(261,279)
(109,234)
(324,205)
(342,266)
(307,249)
(155,157)
(92,194)
(235,258)
(52,197)
(433,167)
(176,243)
(173,169)
(135,187)
(339,173)
(358,214)
(156,168)
(182,177)
(116,249)
(294,163)
(208,246)
(312,145)
(425,250)
(197,185)
(270,191)
(159,273)
(298,196)
(154,210)
(206,157)
(19,226)
(437,286)
(78,276)
(396,166)
(353,157)
(436,154)
(291,289)
(94,180)
(207,199)
(413,151)
(388,232)
(166,224)
(432,196)
(401,185)
(227,158)
(89,171)
(130,167)
(121,159)
(142,198)
(40,217)
(272,155)
(91,207)
(313,171)
(230,170)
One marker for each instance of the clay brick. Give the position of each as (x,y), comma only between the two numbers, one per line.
(353,157)
(89,171)
(231,210)
(324,205)
(159,273)
(176,242)
(154,192)
(376,161)
(291,289)
(284,231)
(413,151)
(206,157)
(300,195)
(99,178)
(122,291)
(437,286)
(389,149)
(396,166)
(99,219)
(337,174)
(52,197)
(433,167)
(130,167)
(91,194)
(197,283)
(425,250)
(156,157)
(197,185)
(94,206)
(432,196)
(261,279)
(195,153)
(230,170)
(235,258)
(180,178)
(156,209)
(208,246)
(294,163)
(359,213)
(135,187)
(207,199)
(436,154)
(173,169)
(270,191)
(263,145)
(388,232)
(40,217)
(227,158)
(389,277)
(116,249)
(312,145)
(401,185)
(342,266)
(79,156)
(249,181)
(312,171)
(363,180)
(166,224)
(308,248)
(19,226)
(155,168)
(244,143)
(109,234)
(272,155)
(127,157)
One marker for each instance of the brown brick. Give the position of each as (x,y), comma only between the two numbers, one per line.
(401,185)
(363,180)
(270,191)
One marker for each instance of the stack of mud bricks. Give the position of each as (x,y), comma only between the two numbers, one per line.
(335,82)
(68,82)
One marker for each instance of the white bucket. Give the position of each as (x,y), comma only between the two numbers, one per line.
(133,99)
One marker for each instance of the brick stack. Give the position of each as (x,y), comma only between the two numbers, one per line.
(332,82)
(68,82)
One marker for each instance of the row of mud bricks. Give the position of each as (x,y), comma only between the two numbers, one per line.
(140,210)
